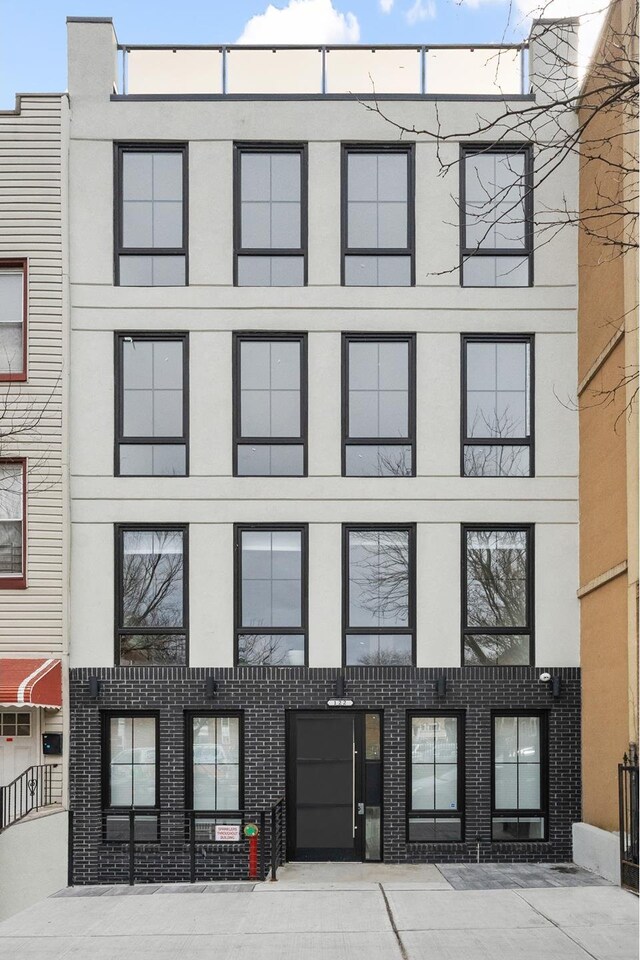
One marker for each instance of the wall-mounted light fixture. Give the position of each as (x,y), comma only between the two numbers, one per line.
(340,686)
(441,686)
(94,687)
(555,683)
(211,688)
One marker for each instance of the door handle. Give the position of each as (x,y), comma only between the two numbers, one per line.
(353,787)
(361,809)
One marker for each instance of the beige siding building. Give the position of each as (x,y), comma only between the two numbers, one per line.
(33,493)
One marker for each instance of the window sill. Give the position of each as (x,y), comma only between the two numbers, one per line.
(13,583)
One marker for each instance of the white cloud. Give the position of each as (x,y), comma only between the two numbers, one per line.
(421,10)
(302,21)
(386,5)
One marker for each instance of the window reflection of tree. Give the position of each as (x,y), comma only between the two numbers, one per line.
(394,462)
(263,649)
(152,579)
(496,589)
(382,575)
(385,658)
(379,568)
(152,595)
(497,460)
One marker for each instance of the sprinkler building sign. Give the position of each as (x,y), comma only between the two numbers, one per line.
(227,833)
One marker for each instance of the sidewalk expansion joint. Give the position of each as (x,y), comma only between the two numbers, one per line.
(396,932)
(557,926)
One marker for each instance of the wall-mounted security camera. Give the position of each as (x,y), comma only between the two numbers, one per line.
(544,677)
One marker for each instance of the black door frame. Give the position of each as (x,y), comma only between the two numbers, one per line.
(359,847)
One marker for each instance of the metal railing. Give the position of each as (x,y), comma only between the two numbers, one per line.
(187,838)
(278,837)
(30,791)
(342,70)
(629,820)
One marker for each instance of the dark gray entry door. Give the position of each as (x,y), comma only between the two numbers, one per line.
(324,794)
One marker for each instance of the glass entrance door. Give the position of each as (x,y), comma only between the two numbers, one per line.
(334,796)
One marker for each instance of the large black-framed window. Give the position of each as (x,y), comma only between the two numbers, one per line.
(270,214)
(152,576)
(378,405)
(130,773)
(435,780)
(497,595)
(497,429)
(152,404)
(151,221)
(519,783)
(270,404)
(379,575)
(214,768)
(496,215)
(378,216)
(271,594)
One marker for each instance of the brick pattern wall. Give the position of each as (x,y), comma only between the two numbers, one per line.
(264,695)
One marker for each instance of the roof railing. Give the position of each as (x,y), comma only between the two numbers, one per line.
(342,71)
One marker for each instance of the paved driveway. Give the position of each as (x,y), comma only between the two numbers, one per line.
(336,912)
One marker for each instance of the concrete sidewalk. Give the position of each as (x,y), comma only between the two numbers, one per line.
(342,912)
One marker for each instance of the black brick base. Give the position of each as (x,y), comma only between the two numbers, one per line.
(264,695)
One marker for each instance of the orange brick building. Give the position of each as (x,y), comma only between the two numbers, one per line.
(607,397)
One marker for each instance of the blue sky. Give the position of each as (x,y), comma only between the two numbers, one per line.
(33,32)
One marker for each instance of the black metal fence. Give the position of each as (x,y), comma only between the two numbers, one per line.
(196,842)
(628,805)
(30,791)
(278,837)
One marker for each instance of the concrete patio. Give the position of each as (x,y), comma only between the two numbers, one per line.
(342,911)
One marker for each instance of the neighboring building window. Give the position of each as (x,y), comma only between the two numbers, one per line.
(12,524)
(378,216)
(15,724)
(497,407)
(497,592)
(271,595)
(519,781)
(151,596)
(214,784)
(271,215)
(379,588)
(270,405)
(496,209)
(435,789)
(13,319)
(131,774)
(151,221)
(152,414)
(379,406)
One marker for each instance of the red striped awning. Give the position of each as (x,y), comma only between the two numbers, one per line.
(25,683)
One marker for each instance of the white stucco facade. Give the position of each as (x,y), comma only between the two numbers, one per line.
(210,309)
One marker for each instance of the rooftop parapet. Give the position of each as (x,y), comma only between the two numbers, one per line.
(98,63)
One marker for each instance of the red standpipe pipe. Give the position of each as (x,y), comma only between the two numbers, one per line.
(253,858)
